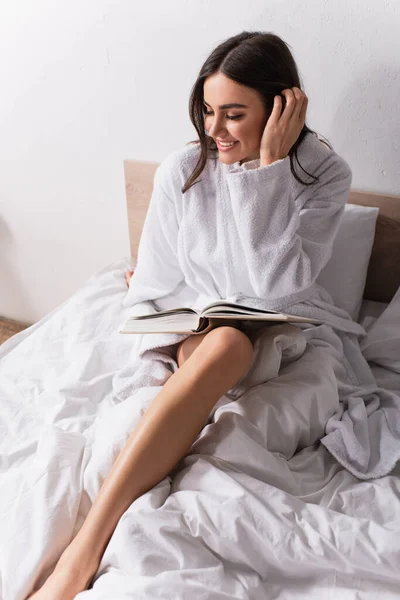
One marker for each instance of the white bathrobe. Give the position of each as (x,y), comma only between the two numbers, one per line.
(257,236)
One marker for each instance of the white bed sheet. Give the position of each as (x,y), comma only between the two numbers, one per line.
(369,314)
(256,526)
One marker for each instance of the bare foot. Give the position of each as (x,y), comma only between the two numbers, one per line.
(128,276)
(64,583)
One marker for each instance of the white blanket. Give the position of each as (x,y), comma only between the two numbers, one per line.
(258,509)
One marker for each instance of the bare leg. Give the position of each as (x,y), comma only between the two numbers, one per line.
(163,436)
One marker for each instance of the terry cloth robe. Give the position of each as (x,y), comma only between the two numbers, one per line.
(256,236)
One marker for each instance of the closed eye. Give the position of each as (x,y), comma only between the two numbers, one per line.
(231,117)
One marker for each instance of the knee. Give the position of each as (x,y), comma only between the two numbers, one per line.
(232,344)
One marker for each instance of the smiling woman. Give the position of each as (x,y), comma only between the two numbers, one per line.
(241,83)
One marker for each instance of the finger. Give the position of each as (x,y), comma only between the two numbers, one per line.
(302,115)
(298,94)
(290,103)
(277,108)
(301,97)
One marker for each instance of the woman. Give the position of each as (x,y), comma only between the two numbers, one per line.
(268,235)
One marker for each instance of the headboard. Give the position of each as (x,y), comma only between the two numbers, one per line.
(383,278)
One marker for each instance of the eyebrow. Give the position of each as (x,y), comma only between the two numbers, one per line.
(232,105)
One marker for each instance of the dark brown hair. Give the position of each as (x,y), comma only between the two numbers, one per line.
(261,61)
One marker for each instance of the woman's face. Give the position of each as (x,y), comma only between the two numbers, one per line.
(242,125)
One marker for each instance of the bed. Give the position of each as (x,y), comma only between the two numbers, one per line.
(224,523)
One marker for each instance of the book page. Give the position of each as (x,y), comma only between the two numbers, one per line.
(171,311)
(223,307)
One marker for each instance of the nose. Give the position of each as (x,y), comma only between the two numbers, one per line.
(215,129)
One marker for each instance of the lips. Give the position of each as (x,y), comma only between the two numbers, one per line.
(229,147)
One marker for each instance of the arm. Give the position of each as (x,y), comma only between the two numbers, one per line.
(157,272)
(287,239)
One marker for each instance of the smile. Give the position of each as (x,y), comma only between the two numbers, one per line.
(226,147)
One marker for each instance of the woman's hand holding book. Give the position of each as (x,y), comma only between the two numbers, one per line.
(128,276)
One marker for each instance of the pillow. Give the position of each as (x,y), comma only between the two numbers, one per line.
(382,343)
(345,274)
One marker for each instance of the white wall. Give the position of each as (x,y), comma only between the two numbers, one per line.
(86,84)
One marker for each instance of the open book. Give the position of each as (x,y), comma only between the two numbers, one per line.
(190,320)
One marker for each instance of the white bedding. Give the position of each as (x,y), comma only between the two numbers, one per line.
(369,318)
(234,519)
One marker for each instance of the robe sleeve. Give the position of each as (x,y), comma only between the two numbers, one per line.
(157,272)
(287,230)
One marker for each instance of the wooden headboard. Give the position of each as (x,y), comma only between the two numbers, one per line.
(383,278)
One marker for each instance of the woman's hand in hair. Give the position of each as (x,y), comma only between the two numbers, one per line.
(283,127)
